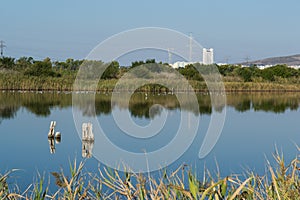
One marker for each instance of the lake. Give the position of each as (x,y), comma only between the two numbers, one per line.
(256,124)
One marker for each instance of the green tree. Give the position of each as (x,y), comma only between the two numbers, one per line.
(42,68)
(137,63)
(7,62)
(150,61)
(111,71)
(24,62)
(282,71)
(245,73)
(226,70)
(190,73)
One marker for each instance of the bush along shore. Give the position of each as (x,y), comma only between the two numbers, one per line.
(280,182)
(27,74)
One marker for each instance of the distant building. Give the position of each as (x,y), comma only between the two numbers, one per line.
(208,59)
(221,64)
(208,56)
(180,64)
(294,66)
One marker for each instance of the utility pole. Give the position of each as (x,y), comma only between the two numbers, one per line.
(227,59)
(2,46)
(191,47)
(247,59)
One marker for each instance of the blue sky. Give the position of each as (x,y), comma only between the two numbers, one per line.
(235,29)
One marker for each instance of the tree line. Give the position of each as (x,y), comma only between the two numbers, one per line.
(47,68)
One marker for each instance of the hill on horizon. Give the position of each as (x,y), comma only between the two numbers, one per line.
(288,60)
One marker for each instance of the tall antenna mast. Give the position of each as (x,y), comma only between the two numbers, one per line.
(227,59)
(191,47)
(247,59)
(2,46)
(170,55)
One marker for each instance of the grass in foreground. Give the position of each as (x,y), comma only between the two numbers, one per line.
(280,182)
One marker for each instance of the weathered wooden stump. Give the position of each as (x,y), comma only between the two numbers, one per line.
(51,131)
(87,140)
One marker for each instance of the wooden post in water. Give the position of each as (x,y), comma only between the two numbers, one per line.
(53,137)
(87,140)
(51,131)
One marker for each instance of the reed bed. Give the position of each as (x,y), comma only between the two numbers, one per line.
(280,182)
(19,81)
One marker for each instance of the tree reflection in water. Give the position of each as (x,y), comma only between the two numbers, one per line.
(41,104)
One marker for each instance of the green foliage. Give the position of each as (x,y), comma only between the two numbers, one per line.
(7,62)
(26,73)
(69,64)
(150,61)
(41,68)
(252,73)
(137,63)
(111,71)
(245,73)
(190,73)
(24,62)
(227,70)
(193,185)
(279,71)
(281,181)
(39,190)
(141,72)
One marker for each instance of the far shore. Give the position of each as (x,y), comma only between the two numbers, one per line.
(26,74)
(142,91)
(108,86)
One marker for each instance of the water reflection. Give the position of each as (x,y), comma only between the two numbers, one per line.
(51,145)
(140,103)
(25,136)
(52,142)
(87,140)
(87,148)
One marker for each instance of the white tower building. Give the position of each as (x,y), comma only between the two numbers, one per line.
(208,56)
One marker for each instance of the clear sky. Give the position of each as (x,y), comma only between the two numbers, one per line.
(235,29)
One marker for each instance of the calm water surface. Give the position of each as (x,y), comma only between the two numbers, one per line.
(255,124)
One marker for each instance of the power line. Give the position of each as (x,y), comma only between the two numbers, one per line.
(2,46)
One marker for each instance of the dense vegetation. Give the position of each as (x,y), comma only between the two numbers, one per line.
(254,74)
(28,74)
(279,182)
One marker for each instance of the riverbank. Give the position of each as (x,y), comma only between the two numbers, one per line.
(26,74)
(281,181)
(66,83)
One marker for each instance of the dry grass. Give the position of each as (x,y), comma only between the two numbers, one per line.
(281,182)
(18,81)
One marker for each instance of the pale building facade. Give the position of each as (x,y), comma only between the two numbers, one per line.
(208,56)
